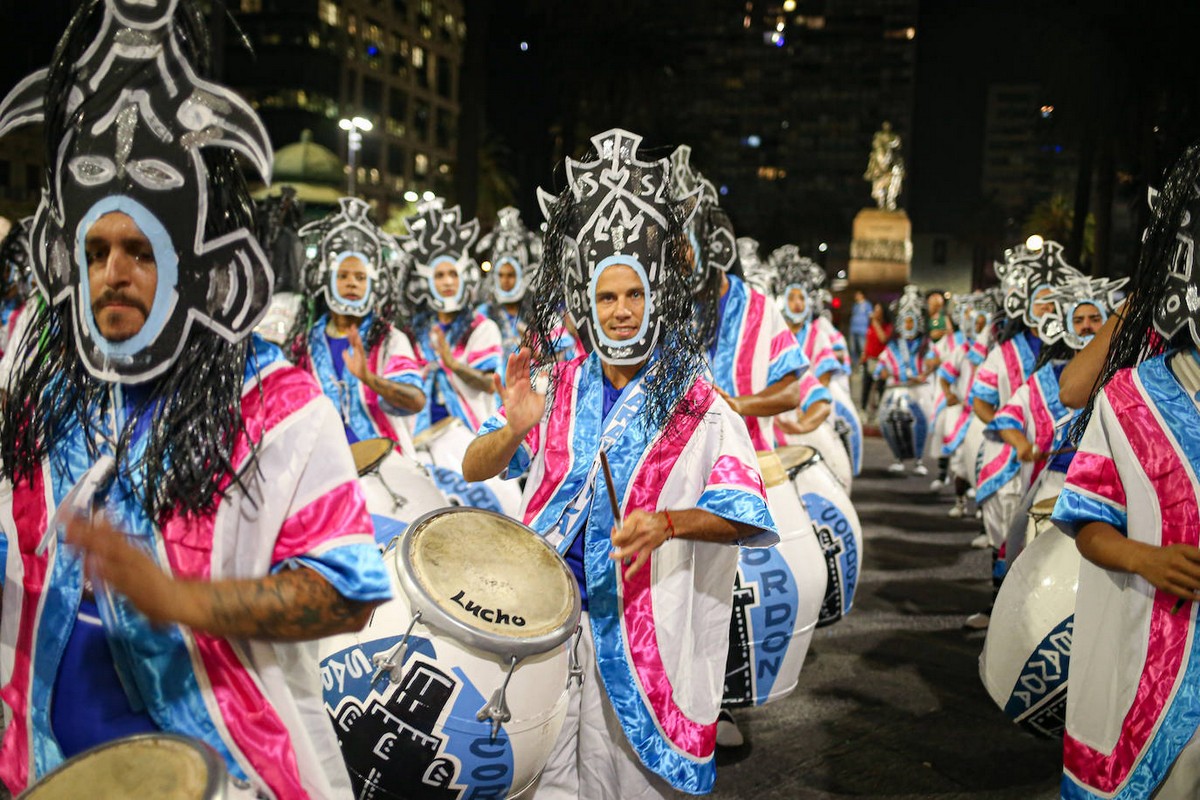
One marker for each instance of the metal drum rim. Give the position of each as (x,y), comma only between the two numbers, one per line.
(434,617)
(214,787)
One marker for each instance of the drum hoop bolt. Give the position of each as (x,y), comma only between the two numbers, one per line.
(496,709)
(392,662)
(574,668)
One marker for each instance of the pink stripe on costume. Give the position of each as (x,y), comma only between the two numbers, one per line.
(397,365)
(1169,634)
(1043,424)
(964,419)
(637,610)
(781,343)
(342,509)
(559,456)
(1097,474)
(476,356)
(993,467)
(743,379)
(1014,368)
(732,471)
(29,514)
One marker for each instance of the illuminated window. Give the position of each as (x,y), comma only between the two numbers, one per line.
(420,165)
(418,57)
(329,12)
(352,24)
(251,6)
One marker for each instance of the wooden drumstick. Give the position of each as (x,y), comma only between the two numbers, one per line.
(612,490)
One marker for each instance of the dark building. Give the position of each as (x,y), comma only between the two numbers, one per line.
(394,62)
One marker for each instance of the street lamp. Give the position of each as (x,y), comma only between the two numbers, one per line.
(1034,243)
(354,130)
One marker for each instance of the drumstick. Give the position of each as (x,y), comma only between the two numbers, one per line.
(612,490)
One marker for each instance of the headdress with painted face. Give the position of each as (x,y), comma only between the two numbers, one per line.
(348,237)
(620,213)
(792,272)
(1067,298)
(510,244)
(438,238)
(710,232)
(134,128)
(1028,273)
(1177,308)
(16,262)
(910,306)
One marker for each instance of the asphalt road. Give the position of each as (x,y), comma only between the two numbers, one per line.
(890,704)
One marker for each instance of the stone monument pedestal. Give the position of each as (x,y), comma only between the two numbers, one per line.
(881,249)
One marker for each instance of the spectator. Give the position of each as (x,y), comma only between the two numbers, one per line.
(878,335)
(860,323)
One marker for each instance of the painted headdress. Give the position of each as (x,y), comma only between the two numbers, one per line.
(619,211)
(511,244)
(1025,273)
(1178,305)
(757,272)
(710,232)
(792,271)
(1058,325)
(134,128)
(910,305)
(438,237)
(347,234)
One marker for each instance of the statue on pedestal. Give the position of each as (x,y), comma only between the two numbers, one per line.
(885,168)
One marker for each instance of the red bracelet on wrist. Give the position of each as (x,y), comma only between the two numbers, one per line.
(670,526)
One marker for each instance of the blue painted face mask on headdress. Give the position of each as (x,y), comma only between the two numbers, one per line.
(510,245)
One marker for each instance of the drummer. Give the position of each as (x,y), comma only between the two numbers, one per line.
(753,357)
(183,503)
(903,365)
(364,364)
(1130,502)
(686,478)
(797,283)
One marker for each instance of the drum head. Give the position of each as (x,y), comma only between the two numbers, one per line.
(771,468)
(796,457)
(1044,508)
(488,581)
(162,766)
(370,453)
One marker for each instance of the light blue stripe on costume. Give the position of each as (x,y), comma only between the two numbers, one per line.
(1009,471)
(519,463)
(738,505)
(355,570)
(1003,422)
(950,447)
(436,379)
(1074,510)
(826,365)
(821,393)
(1179,722)
(986,393)
(791,362)
(322,359)
(729,337)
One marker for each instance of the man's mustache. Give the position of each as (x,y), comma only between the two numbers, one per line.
(115,297)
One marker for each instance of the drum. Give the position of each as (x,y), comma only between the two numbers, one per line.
(903,423)
(847,424)
(777,598)
(1028,648)
(442,446)
(162,766)
(398,489)
(280,319)
(830,444)
(838,528)
(458,686)
(1040,513)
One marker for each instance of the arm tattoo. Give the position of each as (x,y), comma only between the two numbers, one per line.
(293,605)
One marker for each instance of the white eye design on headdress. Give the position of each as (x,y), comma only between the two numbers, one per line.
(155,175)
(92,170)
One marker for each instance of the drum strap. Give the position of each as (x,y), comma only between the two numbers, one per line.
(627,407)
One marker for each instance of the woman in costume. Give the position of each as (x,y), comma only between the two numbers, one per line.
(461,349)
(904,411)
(1130,501)
(347,338)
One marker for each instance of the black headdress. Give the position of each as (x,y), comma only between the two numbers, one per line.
(510,243)
(792,271)
(616,209)
(132,127)
(16,262)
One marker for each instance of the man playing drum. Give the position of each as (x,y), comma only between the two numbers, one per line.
(658,578)
(181,510)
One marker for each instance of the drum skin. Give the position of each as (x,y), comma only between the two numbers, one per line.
(839,533)
(420,738)
(1028,648)
(777,598)
(415,492)
(826,441)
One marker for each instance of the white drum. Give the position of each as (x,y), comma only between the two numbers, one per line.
(826,441)
(904,422)
(398,488)
(777,598)
(162,766)
(280,319)
(458,686)
(847,423)
(838,528)
(442,447)
(1028,648)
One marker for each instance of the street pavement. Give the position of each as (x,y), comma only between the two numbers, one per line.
(890,704)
